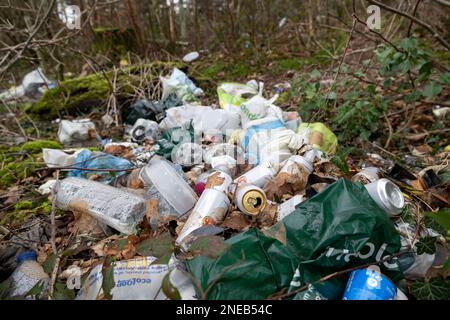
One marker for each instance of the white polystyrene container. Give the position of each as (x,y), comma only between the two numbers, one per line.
(170,185)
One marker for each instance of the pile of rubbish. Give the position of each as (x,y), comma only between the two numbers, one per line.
(205,202)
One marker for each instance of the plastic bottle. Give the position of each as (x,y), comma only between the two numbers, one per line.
(118,209)
(27,275)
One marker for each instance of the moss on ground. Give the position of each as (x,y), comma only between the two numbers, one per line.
(17,163)
(24,209)
(211,71)
(80,95)
(38,145)
(284,65)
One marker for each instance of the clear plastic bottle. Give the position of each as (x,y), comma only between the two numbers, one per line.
(27,274)
(116,208)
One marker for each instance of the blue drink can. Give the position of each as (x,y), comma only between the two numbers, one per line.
(369,284)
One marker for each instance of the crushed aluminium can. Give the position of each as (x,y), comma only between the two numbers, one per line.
(369,284)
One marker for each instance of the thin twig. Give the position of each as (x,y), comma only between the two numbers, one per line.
(52,217)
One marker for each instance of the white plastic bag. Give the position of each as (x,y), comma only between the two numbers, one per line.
(180,84)
(258,107)
(138,279)
(76,130)
(58,158)
(203,118)
(34,78)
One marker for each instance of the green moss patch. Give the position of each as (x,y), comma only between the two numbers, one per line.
(80,95)
(24,209)
(38,145)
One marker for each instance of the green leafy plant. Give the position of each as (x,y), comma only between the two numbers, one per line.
(435,289)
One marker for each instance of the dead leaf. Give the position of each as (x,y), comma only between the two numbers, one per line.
(316,138)
(152,209)
(179,227)
(135,183)
(157,247)
(268,217)
(214,180)
(129,251)
(100,246)
(92,134)
(211,246)
(12,196)
(424,149)
(85,224)
(236,220)
(291,181)
(417,184)
(417,136)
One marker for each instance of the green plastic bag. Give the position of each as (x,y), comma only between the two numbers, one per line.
(251,269)
(339,228)
(172,138)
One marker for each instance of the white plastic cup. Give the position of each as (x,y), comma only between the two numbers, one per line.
(170,185)
(299,160)
(257,176)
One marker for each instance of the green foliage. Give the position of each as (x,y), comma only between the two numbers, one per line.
(426,245)
(108,282)
(435,289)
(23,205)
(212,70)
(16,171)
(410,58)
(339,159)
(431,90)
(354,108)
(5,288)
(239,70)
(61,292)
(287,64)
(157,247)
(358,112)
(49,264)
(442,217)
(37,291)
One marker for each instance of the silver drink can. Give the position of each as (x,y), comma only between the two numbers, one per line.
(387,195)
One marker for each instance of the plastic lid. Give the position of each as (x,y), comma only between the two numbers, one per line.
(171,185)
(27,255)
